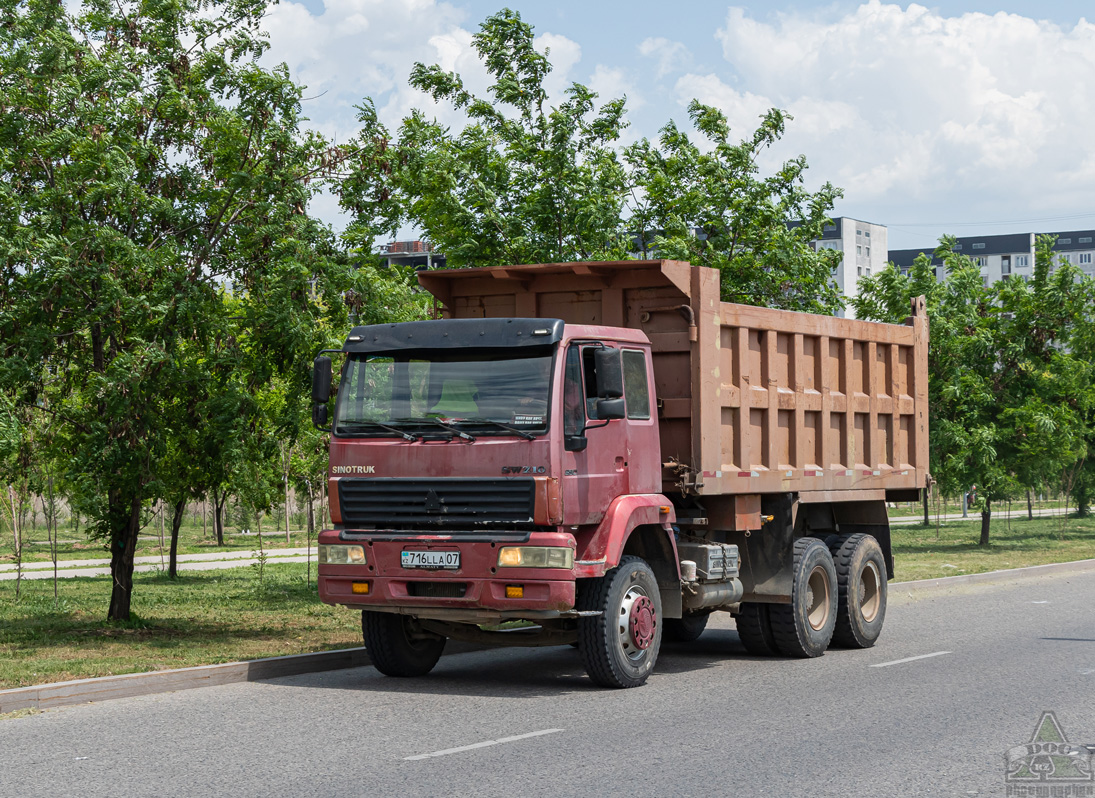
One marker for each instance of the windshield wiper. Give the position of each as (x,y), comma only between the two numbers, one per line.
(528,436)
(438,422)
(401,433)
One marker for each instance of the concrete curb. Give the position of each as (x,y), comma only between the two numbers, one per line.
(81,691)
(104,688)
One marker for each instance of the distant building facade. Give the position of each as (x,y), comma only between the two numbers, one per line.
(865,248)
(416,254)
(1012,254)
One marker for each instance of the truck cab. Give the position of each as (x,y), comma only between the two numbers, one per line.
(473,465)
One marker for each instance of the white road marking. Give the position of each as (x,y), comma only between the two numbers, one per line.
(1039,602)
(910,659)
(485,744)
(1087,671)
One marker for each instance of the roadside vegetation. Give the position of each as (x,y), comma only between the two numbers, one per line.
(200,618)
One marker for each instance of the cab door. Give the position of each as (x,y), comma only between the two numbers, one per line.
(598,473)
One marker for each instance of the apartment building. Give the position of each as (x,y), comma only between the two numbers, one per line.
(1010,254)
(864,245)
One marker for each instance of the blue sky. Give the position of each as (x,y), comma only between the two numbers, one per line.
(961,117)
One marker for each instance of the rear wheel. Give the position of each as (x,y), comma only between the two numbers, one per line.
(861,587)
(686,629)
(804,627)
(397,646)
(620,646)
(755,629)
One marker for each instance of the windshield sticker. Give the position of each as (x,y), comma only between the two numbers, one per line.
(524,420)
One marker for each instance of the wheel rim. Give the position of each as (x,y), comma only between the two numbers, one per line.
(817,599)
(637,624)
(870,592)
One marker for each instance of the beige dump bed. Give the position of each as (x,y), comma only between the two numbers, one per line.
(750,400)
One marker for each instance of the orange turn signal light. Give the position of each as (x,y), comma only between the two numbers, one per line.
(360,587)
(515,591)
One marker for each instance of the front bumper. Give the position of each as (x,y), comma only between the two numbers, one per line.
(476,592)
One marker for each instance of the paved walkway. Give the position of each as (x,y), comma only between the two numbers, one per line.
(974,515)
(187,562)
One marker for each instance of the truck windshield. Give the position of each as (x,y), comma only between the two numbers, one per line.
(491,393)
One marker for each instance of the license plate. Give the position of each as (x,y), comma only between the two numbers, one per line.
(433,560)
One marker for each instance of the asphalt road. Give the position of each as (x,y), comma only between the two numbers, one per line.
(712,721)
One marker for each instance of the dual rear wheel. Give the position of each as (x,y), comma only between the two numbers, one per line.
(838,595)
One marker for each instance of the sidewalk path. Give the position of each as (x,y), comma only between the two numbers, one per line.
(909,520)
(190,562)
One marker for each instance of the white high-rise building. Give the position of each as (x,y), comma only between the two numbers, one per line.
(865,249)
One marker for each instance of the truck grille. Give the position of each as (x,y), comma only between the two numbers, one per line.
(443,503)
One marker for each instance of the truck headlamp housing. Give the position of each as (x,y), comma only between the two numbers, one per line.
(341,555)
(536,557)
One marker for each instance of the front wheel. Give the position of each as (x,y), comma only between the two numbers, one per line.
(397,646)
(620,646)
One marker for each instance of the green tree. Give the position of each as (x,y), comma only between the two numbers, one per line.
(708,206)
(150,167)
(1009,394)
(524,181)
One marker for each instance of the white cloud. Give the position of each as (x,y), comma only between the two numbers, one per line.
(611,84)
(367,48)
(362,48)
(670,56)
(892,100)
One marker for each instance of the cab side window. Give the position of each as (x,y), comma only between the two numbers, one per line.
(574,416)
(636,388)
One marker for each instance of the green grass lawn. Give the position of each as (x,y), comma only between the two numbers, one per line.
(920,554)
(203,617)
(227,615)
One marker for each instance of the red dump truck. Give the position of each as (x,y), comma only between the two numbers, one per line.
(609,453)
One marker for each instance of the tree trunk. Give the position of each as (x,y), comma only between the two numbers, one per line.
(1030,507)
(53,537)
(311,529)
(14,521)
(287,508)
(986,516)
(927,515)
(219,498)
(176,522)
(123,545)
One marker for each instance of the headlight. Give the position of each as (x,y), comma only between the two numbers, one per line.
(535,557)
(342,555)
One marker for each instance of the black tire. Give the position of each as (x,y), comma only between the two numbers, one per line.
(686,629)
(620,646)
(861,587)
(755,629)
(396,648)
(805,627)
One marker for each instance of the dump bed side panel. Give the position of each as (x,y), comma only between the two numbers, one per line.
(750,400)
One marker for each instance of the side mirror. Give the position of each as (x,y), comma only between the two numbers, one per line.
(610,408)
(321,391)
(575,443)
(321,379)
(610,374)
